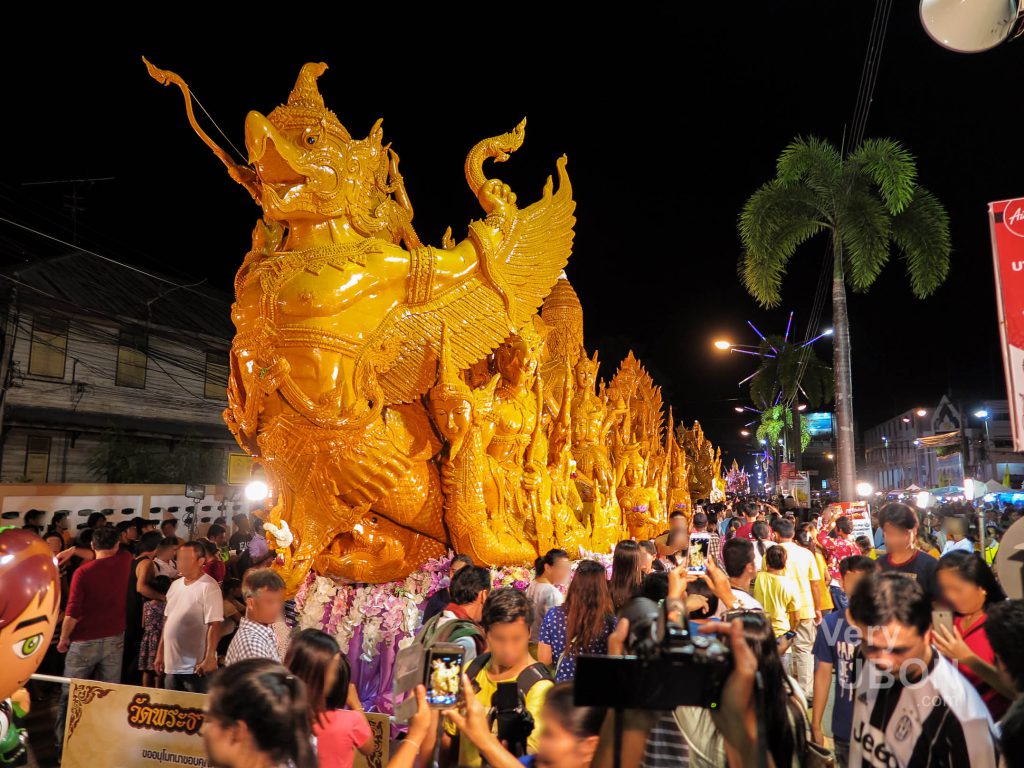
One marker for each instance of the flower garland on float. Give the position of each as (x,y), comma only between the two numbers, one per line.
(391,611)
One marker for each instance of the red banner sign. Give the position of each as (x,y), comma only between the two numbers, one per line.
(1006,220)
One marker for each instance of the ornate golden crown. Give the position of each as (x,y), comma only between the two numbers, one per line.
(450,385)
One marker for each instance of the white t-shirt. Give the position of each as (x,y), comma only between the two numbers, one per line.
(544,596)
(965,545)
(745,602)
(190,607)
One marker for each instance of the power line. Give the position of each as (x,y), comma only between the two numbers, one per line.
(74,247)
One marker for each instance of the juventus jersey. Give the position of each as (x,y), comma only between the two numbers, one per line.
(938,721)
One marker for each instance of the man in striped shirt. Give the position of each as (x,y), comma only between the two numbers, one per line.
(263,592)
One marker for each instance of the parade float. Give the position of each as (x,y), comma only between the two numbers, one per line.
(407,400)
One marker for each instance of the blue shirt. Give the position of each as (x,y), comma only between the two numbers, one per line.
(552,632)
(836,644)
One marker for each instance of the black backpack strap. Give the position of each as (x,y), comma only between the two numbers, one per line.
(532,675)
(528,678)
(474,668)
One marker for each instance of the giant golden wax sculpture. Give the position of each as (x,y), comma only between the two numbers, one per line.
(406,398)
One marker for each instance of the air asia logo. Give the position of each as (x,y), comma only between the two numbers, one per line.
(1013,217)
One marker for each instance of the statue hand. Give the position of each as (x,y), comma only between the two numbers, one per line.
(531,478)
(496,197)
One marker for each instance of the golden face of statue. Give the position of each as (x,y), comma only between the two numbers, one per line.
(584,377)
(311,169)
(580,428)
(517,362)
(453,417)
(634,473)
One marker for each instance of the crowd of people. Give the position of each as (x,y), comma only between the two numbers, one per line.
(910,638)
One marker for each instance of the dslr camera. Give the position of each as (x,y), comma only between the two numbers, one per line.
(665,665)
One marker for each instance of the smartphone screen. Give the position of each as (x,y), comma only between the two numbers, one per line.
(943,619)
(444,676)
(698,553)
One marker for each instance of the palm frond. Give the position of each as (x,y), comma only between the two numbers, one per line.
(890,167)
(864,228)
(774,222)
(813,161)
(921,232)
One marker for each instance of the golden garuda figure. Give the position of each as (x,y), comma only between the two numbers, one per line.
(339,308)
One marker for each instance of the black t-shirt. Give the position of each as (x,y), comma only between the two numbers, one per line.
(921,566)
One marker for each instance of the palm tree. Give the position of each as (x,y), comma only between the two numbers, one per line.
(868,201)
(787,369)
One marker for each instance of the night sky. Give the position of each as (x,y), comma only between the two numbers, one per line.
(670,121)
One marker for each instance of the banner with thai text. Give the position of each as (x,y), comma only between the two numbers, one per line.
(1006,221)
(116,726)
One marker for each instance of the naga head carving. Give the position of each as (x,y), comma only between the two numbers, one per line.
(308,164)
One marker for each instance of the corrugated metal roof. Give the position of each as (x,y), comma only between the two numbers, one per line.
(89,283)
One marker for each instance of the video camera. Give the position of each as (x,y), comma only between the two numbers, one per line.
(665,667)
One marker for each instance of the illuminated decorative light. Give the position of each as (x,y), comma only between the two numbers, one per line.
(257,490)
(921,411)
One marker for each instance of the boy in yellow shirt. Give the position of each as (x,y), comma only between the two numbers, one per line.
(777,592)
(507,618)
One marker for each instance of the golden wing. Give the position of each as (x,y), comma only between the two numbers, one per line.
(480,311)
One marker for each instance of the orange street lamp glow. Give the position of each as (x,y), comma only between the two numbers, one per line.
(722,344)
(745,433)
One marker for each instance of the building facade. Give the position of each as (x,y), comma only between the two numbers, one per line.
(112,375)
(940,445)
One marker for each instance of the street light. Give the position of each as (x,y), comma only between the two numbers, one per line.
(985,416)
(722,344)
(738,409)
(830,456)
(802,407)
(745,432)
(864,489)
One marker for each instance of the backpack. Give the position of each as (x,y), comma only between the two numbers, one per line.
(448,631)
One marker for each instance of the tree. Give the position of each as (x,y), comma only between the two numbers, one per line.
(788,368)
(868,202)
